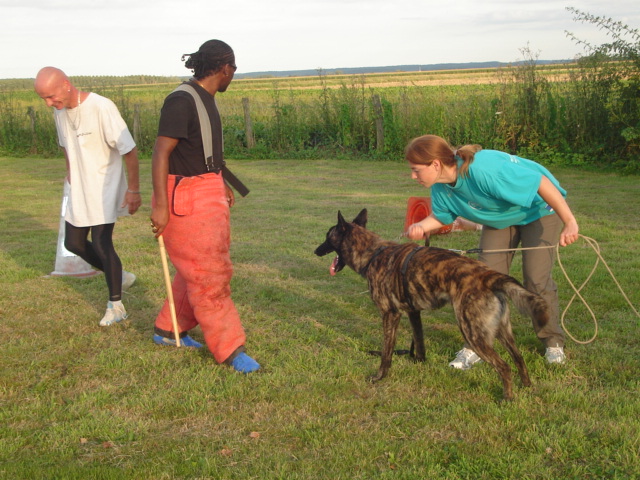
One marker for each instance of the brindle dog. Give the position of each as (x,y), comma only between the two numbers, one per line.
(410,278)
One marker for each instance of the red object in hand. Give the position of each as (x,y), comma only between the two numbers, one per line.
(419,208)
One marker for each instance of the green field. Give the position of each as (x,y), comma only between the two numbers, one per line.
(574,114)
(78,401)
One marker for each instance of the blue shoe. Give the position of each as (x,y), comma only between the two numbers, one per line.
(185,341)
(243,363)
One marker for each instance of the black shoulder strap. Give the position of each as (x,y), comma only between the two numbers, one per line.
(207,141)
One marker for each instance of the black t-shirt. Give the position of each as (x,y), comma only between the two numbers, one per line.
(179,119)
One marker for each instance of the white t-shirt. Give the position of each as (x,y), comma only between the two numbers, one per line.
(95,137)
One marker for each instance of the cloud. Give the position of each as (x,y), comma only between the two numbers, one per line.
(120,37)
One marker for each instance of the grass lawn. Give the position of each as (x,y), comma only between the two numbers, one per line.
(78,401)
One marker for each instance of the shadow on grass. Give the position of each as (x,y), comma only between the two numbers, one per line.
(27,242)
(29,249)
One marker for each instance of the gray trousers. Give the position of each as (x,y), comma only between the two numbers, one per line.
(537,265)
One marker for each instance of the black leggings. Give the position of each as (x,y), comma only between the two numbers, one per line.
(99,253)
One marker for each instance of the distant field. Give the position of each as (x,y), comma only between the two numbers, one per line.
(556,112)
(384,79)
(399,79)
(289,113)
(152,90)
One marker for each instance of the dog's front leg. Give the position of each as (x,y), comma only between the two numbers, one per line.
(417,344)
(390,322)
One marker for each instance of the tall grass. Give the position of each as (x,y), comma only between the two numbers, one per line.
(568,116)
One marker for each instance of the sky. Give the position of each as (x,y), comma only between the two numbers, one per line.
(148,37)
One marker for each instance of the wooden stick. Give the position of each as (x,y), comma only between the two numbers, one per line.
(167,283)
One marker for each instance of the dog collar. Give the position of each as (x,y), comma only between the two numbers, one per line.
(379,250)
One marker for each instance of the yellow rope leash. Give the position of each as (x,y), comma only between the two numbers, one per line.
(596,248)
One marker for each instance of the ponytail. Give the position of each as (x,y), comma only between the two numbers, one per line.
(467,153)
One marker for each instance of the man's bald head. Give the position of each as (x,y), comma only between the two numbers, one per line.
(55,88)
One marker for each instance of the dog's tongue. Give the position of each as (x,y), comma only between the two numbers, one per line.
(332,270)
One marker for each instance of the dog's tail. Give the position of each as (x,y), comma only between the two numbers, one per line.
(528,303)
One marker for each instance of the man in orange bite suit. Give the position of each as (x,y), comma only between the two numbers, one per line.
(191,211)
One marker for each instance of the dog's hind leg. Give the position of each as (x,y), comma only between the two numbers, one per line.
(479,332)
(505,336)
(417,350)
(489,355)
(390,322)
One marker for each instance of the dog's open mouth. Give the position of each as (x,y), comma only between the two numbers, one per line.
(325,249)
(335,267)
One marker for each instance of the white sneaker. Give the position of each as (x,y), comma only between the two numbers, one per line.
(555,355)
(114,314)
(465,359)
(128,279)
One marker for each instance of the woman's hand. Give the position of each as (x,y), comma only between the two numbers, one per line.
(569,233)
(415,232)
(423,228)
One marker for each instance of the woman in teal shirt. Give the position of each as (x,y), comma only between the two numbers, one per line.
(518,201)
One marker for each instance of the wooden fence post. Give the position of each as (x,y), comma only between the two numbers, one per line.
(248,126)
(34,138)
(136,123)
(377,108)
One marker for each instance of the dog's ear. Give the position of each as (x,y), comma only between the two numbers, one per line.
(361,219)
(341,221)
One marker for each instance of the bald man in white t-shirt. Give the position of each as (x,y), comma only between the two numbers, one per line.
(94,139)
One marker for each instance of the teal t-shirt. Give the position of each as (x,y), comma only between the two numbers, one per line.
(500,190)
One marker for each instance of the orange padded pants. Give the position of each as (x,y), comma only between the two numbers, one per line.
(197,239)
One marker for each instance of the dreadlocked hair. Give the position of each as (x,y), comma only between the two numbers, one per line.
(425,149)
(209,59)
